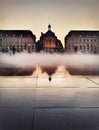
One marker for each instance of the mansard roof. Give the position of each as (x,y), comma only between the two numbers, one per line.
(83,33)
(49,33)
(16,33)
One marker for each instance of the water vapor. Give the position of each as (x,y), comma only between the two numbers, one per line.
(26,64)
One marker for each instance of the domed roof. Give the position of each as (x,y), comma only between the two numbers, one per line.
(49,33)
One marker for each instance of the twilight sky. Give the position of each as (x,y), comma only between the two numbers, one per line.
(63,15)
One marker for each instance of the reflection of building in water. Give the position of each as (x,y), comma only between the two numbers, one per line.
(19,40)
(82,41)
(49,43)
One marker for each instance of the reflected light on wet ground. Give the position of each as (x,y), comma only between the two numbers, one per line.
(35,103)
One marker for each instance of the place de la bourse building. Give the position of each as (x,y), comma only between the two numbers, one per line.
(82,41)
(76,41)
(25,40)
(49,43)
(17,40)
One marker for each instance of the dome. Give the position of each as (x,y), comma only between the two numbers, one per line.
(49,33)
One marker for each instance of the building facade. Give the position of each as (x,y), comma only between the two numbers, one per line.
(17,40)
(82,42)
(49,43)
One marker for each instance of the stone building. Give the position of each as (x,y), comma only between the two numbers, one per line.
(49,43)
(17,40)
(82,42)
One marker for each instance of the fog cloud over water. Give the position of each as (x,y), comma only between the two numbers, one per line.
(73,63)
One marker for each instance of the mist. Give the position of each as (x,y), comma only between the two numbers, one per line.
(26,64)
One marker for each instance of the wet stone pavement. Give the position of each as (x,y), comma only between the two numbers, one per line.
(35,103)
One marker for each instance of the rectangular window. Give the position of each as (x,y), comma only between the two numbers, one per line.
(87,40)
(91,40)
(95,40)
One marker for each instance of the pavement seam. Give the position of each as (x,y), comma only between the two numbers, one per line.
(91,80)
(33,114)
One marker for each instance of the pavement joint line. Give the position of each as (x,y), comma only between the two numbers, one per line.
(42,87)
(92,87)
(53,107)
(21,108)
(70,87)
(91,80)
(33,114)
(61,107)
(17,87)
(33,119)
(57,87)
